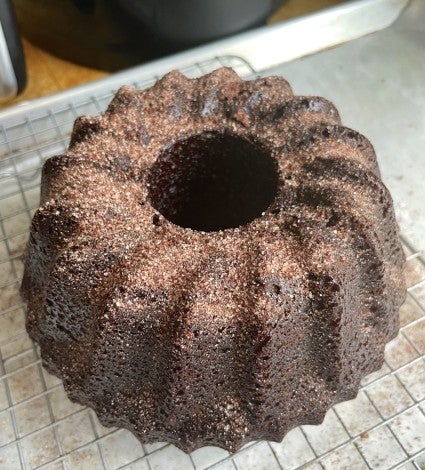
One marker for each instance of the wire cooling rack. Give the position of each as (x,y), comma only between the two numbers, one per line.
(384,427)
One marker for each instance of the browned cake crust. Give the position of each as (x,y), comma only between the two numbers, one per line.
(253,312)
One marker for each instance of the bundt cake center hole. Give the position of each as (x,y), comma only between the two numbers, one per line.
(212,181)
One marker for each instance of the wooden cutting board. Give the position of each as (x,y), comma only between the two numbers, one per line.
(49,74)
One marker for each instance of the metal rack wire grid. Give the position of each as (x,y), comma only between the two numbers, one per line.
(384,427)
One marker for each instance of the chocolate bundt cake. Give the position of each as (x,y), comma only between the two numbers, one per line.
(214,261)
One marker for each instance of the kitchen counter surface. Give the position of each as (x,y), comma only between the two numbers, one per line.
(49,74)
